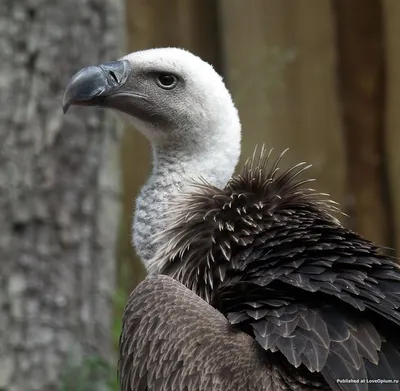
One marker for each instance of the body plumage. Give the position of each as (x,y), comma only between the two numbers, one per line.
(253,283)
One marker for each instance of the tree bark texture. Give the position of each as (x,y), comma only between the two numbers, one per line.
(59,191)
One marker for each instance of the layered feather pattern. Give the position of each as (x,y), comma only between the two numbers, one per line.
(174,340)
(268,254)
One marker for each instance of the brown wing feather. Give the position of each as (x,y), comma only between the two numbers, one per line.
(173,340)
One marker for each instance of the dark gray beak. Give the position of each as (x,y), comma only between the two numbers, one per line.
(92,85)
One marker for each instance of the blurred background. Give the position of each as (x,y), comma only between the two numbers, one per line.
(321,77)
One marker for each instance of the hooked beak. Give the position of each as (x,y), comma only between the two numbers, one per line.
(93,85)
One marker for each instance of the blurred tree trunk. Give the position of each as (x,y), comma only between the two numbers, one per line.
(59,189)
(280,65)
(392,135)
(361,75)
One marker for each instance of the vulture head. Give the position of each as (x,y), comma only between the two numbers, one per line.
(181,104)
(169,94)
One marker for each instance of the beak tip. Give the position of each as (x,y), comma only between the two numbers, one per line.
(91,83)
(67,100)
(65,107)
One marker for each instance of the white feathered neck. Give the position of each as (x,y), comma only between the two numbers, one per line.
(208,147)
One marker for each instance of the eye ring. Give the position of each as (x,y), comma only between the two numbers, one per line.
(166,81)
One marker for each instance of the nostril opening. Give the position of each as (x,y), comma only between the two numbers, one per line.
(113,76)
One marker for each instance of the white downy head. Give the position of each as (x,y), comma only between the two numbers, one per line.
(181,104)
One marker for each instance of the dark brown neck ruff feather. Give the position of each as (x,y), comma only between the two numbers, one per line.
(208,225)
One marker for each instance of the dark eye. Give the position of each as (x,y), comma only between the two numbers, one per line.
(166,81)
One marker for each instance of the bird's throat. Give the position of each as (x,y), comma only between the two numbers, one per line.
(174,170)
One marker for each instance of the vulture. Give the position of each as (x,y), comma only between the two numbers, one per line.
(253,283)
